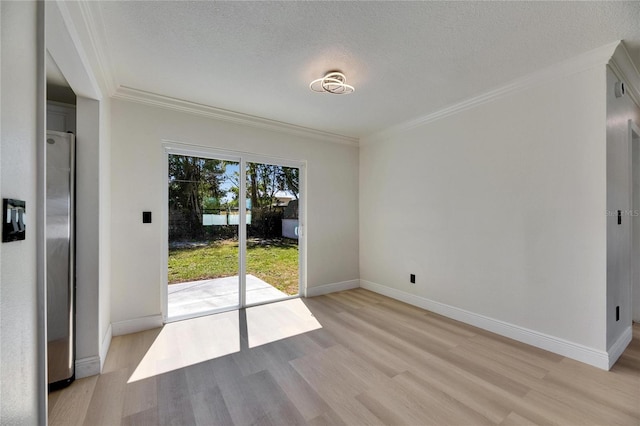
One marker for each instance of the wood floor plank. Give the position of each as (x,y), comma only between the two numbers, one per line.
(174,399)
(240,399)
(322,337)
(139,396)
(372,361)
(210,409)
(327,418)
(72,403)
(143,418)
(420,403)
(383,357)
(515,419)
(300,393)
(107,400)
(512,362)
(533,356)
(200,377)
(480,397)
(619,393)
(273,400)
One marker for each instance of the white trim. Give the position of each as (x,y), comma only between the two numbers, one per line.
(302,229)
(164,212)
(176,318)
(94,25)
(554,344)
(137,324)
(42,396)
(332,288)
(242,232)
(189,149)
(242,158)
(148,98)
(65,47)
(624,68)
(104,348)
(86,367)
(619,346)
(563,69)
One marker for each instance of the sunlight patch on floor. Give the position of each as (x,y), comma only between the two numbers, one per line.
(276,321)
(190,342)
(184,343)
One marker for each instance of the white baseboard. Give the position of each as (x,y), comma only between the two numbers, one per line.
(104,348)
(553,344)
(619,346)
(89,366)
(331,288)
(137,324)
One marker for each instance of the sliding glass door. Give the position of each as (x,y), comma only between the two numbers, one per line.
(203,231)
(234,231)
(273,195)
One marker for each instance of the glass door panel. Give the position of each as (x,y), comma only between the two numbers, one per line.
(203,220)
(272,255)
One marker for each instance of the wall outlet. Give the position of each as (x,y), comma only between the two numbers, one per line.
(412,278)
(617,313)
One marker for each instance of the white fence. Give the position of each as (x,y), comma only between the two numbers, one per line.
(223,219)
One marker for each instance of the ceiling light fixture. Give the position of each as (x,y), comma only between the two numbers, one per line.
(334,82)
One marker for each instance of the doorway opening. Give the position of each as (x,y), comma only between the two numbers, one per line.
(233,231)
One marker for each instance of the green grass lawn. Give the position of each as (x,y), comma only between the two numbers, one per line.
(273,261)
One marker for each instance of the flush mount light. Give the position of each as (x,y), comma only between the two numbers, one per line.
(334,82)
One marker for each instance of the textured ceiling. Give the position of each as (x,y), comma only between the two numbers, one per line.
(406,59)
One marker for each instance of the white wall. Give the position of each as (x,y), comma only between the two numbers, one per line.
(20,391)
(137,185)
(87,227)
(499,210)
(93,220)
(104,237)
(619,112)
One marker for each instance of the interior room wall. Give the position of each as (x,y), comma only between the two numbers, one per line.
(20,391)
(104,244)
(87,231)
(137,184)
(619,111)
(499,210)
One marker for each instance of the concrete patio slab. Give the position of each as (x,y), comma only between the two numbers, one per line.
(206,295)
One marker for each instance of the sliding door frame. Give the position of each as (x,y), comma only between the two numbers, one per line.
(242,158)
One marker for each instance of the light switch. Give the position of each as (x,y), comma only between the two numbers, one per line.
(14,220)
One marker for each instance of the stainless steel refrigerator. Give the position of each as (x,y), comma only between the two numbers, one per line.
(60,160)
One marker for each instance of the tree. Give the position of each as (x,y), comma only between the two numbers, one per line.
(291,180)
(192,180)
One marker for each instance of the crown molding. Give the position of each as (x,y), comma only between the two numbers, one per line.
(66,48)
(94,25)
(583,62)
(624,68)
(148,98)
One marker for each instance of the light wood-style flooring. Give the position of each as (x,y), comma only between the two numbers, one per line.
(347,358)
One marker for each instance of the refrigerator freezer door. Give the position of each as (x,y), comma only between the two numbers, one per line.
(60,257)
